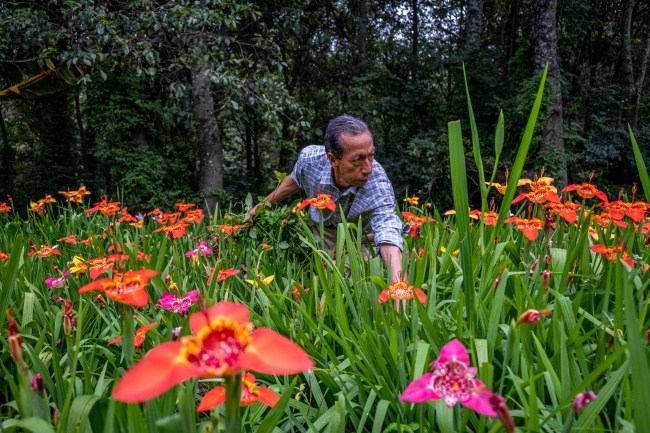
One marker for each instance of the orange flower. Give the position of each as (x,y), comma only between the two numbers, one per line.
(126,217)
(322,201)
(194,216)
(140,333)
(103,264)
(538,182)
(529,227)
(296,290)
(637,210)
(223,274)
(4,256)
(170,218)
(532,316)
(265,247)
(174,231)
(4,207)
(223,344)
(231,230)
(613,253)
(105,208)
(127,289)
(566,210)
(415,222)
(539,195)
(587,190)
(401,291)
(72,239)
(250,394)
(45,251)
(75,196)
(490,218)
(605,218)
(184,207)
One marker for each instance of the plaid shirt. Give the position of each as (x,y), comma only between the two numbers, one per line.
(374,202)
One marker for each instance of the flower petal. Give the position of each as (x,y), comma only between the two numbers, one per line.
(161,369)
(384,296)
(235,312)
(267,396)
(272,353)
(479,401)
(453,350)
(212,398)
(422,297)
(420,390)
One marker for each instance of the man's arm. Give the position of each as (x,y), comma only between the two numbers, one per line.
(392,256)
(286,188)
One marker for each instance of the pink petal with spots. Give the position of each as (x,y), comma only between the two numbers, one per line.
(479,401)
(420,390)
(453,350)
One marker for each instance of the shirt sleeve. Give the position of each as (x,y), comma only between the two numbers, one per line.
(384,220)
(298,170)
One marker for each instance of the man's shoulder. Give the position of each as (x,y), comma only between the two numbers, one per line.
(313,151)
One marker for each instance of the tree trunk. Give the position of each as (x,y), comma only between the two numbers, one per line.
(474,22)
(208,138)
(363,31)
(545,52)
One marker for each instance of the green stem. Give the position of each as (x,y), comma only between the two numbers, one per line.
(322,231)
(233,400)
(128,334)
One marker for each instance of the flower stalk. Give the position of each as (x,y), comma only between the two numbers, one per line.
(233,401)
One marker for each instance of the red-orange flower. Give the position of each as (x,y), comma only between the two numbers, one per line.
(529,227)
(321,201)
(223,344)
(230,230)
(637,210)
(126,216)
(613,253)
(587,190)
(170,218)
(45,251)
(175,231)
(401,291)
(566,210)
(605,218)
(415,222)
(127,289)
(4,207)
(184,207)
(539,195)
(140,333)
(4,256)
(223,274)
(100,265)
(250,394)
(105,208)
(296,290)
(72,239)
(193,216)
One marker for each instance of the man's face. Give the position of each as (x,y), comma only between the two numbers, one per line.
(355,166)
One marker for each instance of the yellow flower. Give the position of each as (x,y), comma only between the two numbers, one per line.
(413,201)
(266,281)
(444,250)
(78,265)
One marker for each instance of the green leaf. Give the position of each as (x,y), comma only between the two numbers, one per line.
(79,410)
(32,424)
(640,165)
(275,414)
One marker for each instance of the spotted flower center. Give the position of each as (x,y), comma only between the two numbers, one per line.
(415,222)
(127,285)
(249,394)
(400,291)
(320,202)
(453,380)
(586,191)
(218,347)
(181,305)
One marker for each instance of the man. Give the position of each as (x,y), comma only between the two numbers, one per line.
(345,169)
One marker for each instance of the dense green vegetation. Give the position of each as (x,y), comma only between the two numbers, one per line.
(160,83)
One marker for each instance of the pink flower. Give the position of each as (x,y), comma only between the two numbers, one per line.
(202,248)
(57,283)
(178,305)
(452,379)
(583,399)
(532,316)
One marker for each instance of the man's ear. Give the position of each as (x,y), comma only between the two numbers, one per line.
(332,159)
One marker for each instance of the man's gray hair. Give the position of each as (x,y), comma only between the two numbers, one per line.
(342,125)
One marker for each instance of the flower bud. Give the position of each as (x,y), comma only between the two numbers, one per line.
(546,279)
(583,399)
(500,407)
(37,383)
(176,332)
(15,340)
(68,319)
(496,284)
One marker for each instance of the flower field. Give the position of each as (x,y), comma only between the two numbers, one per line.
(177,321)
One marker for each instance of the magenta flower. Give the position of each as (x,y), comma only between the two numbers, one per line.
(452,379)
(178,305)
(583,399)
(201,248)
(57,283)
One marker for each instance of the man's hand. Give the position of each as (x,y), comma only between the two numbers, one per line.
(392,256)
